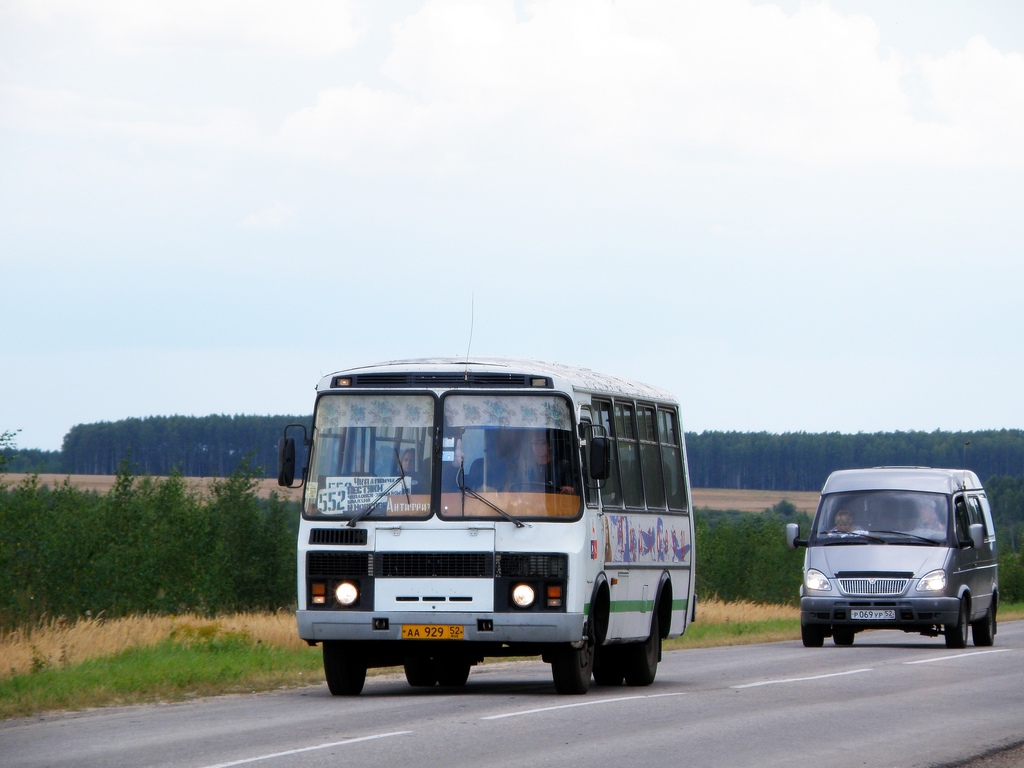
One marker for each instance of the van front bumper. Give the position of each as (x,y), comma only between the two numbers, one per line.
(911,613)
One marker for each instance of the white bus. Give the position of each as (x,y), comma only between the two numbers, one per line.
(457,510)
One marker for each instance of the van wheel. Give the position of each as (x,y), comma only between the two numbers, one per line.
(842,636)
(813,635)
(984,631)
(344,668)
(956,634)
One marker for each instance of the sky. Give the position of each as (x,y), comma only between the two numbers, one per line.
(795,216)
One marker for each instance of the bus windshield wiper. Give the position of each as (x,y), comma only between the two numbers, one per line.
(460,481)
(372,505)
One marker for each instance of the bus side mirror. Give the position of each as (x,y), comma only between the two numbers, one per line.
(793,539)
(600,458)
(286,461)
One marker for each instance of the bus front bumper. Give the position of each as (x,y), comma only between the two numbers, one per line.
(316,626)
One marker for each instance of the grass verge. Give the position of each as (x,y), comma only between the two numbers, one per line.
(94,663)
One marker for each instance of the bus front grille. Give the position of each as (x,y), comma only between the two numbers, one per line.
(324,565)
(435,565)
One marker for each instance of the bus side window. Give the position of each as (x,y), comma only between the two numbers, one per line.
(585,432)
(650,458)
(672,459)
(611,491)
(629,455)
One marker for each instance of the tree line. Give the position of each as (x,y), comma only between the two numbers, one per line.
(151,545)
(215,446)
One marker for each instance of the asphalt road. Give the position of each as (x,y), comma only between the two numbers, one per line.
(890,700)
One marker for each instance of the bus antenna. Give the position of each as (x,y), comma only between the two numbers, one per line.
(469,346)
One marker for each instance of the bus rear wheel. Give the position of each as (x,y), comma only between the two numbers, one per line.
(344,668)
(608,666)
(452,672)
(640,660)
(420,671)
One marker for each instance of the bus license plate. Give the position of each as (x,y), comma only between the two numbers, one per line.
(433,631)
(886,614)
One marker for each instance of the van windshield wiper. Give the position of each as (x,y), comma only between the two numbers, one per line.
(853,537)
(460,481)
(373,504)
(920,539)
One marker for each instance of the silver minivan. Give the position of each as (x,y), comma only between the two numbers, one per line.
(909,548)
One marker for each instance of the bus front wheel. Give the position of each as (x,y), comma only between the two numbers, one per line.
(344,668)
(571,668)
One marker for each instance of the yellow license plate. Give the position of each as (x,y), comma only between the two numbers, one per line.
(433,632)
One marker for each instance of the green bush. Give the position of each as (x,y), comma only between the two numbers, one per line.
(743,556)
(150,545)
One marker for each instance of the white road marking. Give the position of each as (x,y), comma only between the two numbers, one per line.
(310,749)
(588,703)
(958,656)
(802,679)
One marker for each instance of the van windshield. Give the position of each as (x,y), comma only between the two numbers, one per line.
(883,517)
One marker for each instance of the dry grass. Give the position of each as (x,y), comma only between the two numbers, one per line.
(703,498)
(718,612)
(59,642)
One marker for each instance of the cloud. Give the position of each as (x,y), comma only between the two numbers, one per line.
(311,27)
(277,216)
(639,82)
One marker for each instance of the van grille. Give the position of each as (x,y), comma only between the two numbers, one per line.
(873,586)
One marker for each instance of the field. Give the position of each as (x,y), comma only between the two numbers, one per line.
(703,498)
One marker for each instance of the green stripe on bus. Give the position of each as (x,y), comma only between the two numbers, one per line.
(639,606)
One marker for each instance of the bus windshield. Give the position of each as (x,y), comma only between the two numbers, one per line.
(371,456)
(508,455)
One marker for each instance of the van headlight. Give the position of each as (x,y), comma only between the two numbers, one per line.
(933,581)
(816,580)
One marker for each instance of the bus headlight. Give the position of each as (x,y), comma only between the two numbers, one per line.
(933,581)
(346,593)
(815,579)
(523,595)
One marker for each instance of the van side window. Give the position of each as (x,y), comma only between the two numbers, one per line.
(986,513)
(974,511)
(961,515)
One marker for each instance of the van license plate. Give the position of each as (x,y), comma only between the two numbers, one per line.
(861,614)
(433,632)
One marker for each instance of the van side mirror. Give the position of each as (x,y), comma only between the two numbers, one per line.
(976,533)
(286,461)
(793,539)
(600,458)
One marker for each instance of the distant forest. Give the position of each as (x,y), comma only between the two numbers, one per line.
(214,446)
